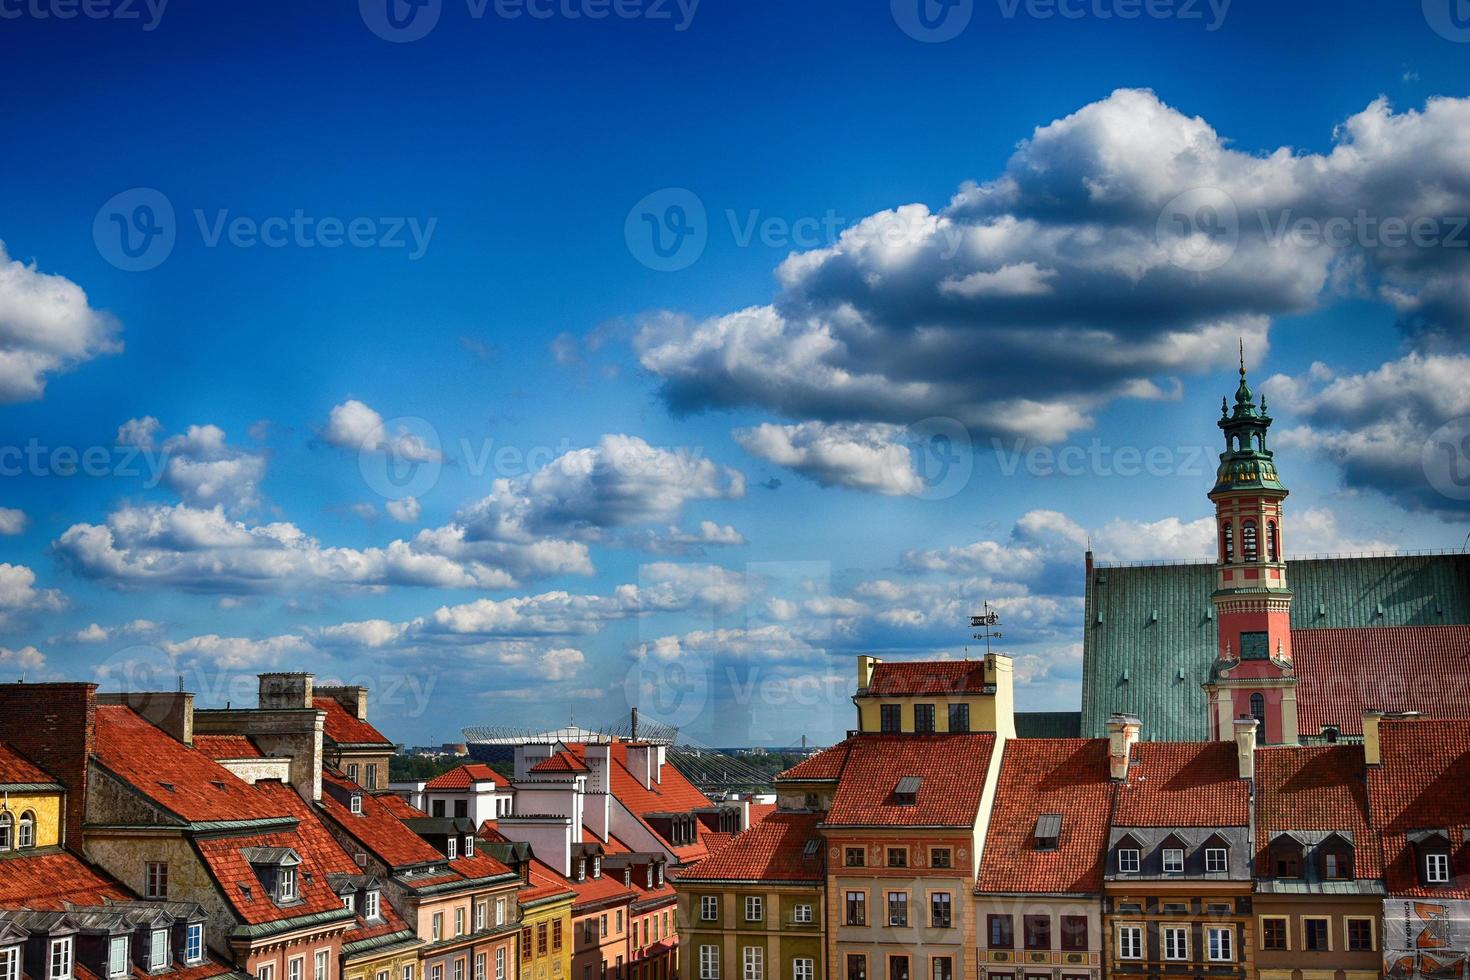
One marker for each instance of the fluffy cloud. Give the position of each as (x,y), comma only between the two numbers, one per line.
(141,433)
(237,652)
(863,456)
(12,521)
(1084,273)
(95,633)
(19,595)
(405,511)
(26,660)
(772,643)
(676,541)
(562,664)
(204,471)
(355,426)
(46,326)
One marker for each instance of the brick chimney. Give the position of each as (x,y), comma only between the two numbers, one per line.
(1122,736)
(55,726)
(354,699)
(286,690)
(1372,743)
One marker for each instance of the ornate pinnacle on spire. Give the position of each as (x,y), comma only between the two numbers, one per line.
(1242,356)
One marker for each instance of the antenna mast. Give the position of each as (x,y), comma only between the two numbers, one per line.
(985,623)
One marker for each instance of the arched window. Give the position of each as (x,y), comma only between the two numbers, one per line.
(1258,712)
(1227,542)
(1271,542)
(1248,541)
(5,829)
(27,835)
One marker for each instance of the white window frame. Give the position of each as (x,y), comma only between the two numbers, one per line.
(1221,940)
(117,956)
(755,908)
(1214,854)
(453,848)
(355,804)
(61,960)
(500,963)
(1437,868)
(26,835)
(1173,860)
(480,916)
(321,965)
(158,949)
(469,847)
(1176,943)
(1127,860)
(286,884)
(1125,934)
(802,914)
(407,971)
(436,926)
(194,943)
(500,911)
(709,908)
(803,968)
(372,904)
(709,963)
(296,968)
(752,963)
(10,963)
(267,972)
(479,966)
(459,921)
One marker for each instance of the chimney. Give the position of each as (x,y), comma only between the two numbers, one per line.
(641,762)
(1245,746)
(353,698)
(1122,736)
(597,806)
(1000,670)
(286,690)
(1372,743)
(55,726)
(865,666)
(171,711)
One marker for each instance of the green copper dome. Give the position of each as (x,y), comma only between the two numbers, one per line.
(1246,463)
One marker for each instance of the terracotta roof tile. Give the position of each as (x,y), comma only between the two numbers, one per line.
(16,768)
(1421,785)
(1183,784)
(773,850)
(399,807)
(1315,788)
(227,746)
(1343,672)
(562,761)
(461,777)
(927,677)
(759,812)
(825,765)
(951,768)
(181,780)
(50,878)
(344,728)
(1066,776)
(377,828)
(592,890)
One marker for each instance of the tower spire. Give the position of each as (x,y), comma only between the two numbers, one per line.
(1242,357)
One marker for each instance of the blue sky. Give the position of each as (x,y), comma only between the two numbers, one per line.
(702,480)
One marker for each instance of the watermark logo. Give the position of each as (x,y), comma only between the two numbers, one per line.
(932,21)
(675,692)
(401,21)
(1450,19)
(148,13)
(1199,229)
(1446,459)
(940,458)
(668,230)
(402,458)
(135,230)
(1211,13)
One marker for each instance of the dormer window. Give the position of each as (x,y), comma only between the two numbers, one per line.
(10,963)
(7,831)
(1048,831)
(276,867)
(117,956)
(906,793)
(371,904)
(469,846)
(27,835)
(355,804)
(1436,868)
(581,869)
(286,885)
(347,902)
(61,959)
(658,874)
(1128,860)
(1217,860)
(1336,866)
(1173,861)
(453,849)
(194,943)
(158,949)
(596,867)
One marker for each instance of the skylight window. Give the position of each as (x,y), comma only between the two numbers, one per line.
(1048,831)
(907,791)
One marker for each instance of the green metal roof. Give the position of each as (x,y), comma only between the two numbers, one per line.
(1048,724)
(1149,634)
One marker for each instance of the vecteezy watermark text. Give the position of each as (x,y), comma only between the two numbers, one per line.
(148,13)
(404,21)
(1211,12)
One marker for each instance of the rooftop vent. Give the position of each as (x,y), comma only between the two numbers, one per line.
(1048,831)
(907,790)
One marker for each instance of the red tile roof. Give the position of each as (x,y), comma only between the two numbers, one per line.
(181,780)
(773,850)
(759,812)
(952,769)
(1315,788)
(826,765)
(562,761)
(592,891)
(237,881)
(927,677)
(1421,785)
(16,768)
(1343,672)
(50,878)
(345,728)
(399,807)
(1183,784)
(227,746)
(1066,776)
(461,777)
(377,828)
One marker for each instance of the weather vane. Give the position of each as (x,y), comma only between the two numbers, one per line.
(985,623)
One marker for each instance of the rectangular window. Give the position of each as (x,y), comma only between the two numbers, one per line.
(1176,943)
(1436,868)
(117,956)
(1128,861)
(556,935)
(857,967)
(857,908)
(1273,933)
(1038,931)
(155,880)
(437,927)
(709,911)
(1002,932)
(408,971)
(898,857)
(352,772)
(372,775)
(1222,945)
(1130,942)
(1173,861)
(10,963)
(525,943)
(752,967)
(1074,933)
(898,908)
(296,968)
(1216,861)
(803,969)
(942,968)
(959,717)
(939,857)
(855,857)
(709,963)
(480,910)
(898,968)
(158,949)
(500,963)
(940,910)
(754,908)
(924,718)
(194,942)
(542,939)
(1360,935)
(321,965)
(602,925)
(1316,935)
(436,972)
(286,884)
(372,905)
(61,960)
(802,915)
(267,971)
(459,969)
(890,718)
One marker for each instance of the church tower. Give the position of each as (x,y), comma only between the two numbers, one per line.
(1252,676)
